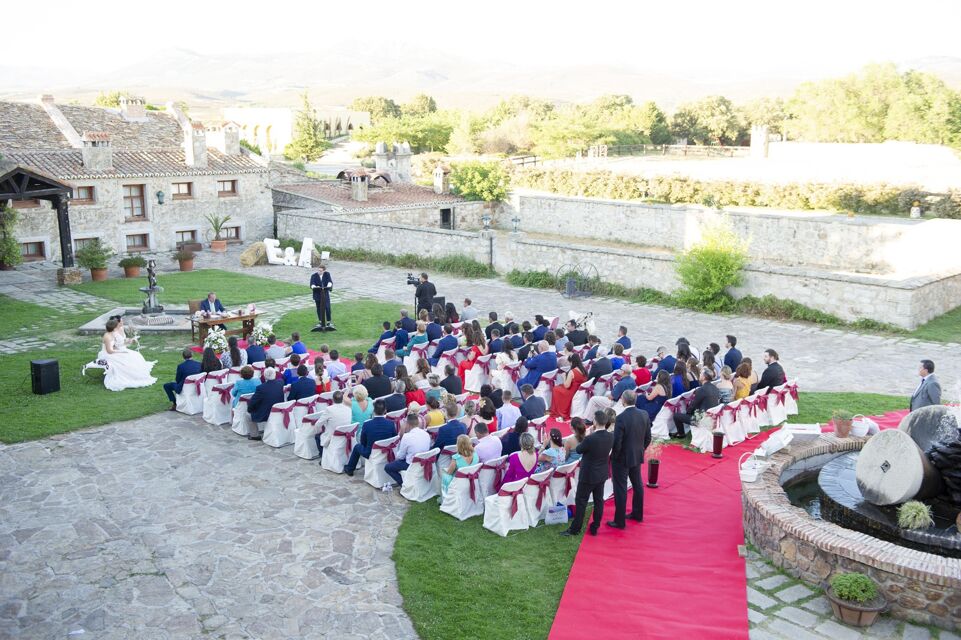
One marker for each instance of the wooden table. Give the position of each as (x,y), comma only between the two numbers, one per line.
(202,325)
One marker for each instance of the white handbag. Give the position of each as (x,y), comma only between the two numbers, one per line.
(862,426)
(751,468)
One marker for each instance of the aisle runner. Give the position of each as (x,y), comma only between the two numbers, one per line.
(677,575)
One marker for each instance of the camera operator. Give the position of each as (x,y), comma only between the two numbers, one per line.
(425,293)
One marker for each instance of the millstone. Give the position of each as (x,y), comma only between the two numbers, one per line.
(892,469)
(931,425)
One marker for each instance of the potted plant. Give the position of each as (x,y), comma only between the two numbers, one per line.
(94,256)
(132,266)
(186,259)
(653,454)
(217,226)
(842,422)
(10,255)
(855,599)
(914,514)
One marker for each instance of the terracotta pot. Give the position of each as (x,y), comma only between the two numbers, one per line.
(854,614)
(218,246)
(98,275)
(842,428)
(6,267)
(187,265)
(131,272)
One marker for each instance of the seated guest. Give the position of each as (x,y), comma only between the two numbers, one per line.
(412,393)
(413,441)
(594,346)
(324,354)
(487,415)
(642,375)
(551,339)
(679,381)
(553,452)
(406,322)
(247,383)
(515,338)
(435,390)
(450,313)
(496,344)
(626,383)
(511,441)
(742,381)
(304,386)
(543,362)
(563,394)
(434,330)
(521,464)
(209,361)
(541,327)
(452,382)
(601,366)
(233,356)
(186,368)
(296,346)
(488,447)
(211,304)
(446,343)
(338,414)
(493,324)
(390,363)
(527,347)
(560,339)
(402,337)
(274,350)
(773,375)
(602,402)
(361,406)
(733,357)
(725,385)
(290,373)
(653,400)
(532,407)
(564,357)
(465,457)
(578,433)
(377,384)
(496,396)
(377,428)
(397,401)
(335,367)
(255,353)
(435,415)
(622,338)
(447,434)
(706,397)
(508,413)
(576,336)
(358,362)
(423,370)
(509,324)
(388,333)
(708,360)
(468,312)
(666,363)
(269,363)
(268,394)
(321,379)
(617,358)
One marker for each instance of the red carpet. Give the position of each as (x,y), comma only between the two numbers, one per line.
(678,575)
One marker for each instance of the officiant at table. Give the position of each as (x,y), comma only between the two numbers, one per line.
(211,305)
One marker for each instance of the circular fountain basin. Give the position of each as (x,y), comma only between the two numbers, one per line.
(172,319)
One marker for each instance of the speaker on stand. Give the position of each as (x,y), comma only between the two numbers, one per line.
(45,376)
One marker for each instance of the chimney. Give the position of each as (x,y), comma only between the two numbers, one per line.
(225,137)
(381,158)
(46,98)
(402,156)
(358,187)
(195,146)
(96,152)
(441,180)
(133,108)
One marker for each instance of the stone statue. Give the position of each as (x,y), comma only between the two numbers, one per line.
(151,306)
(151,276)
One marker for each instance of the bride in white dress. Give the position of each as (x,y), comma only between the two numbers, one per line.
(126,369)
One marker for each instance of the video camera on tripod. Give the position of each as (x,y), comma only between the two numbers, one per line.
(412,280)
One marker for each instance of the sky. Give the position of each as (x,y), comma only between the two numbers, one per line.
(731,39)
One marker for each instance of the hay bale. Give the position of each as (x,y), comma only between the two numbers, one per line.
(254,255)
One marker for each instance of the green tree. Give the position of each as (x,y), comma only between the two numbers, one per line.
(421,105)
(684,124)
(378,107)
(711,267)
(649,119)
(477,180)
(110,99)
(309,142)
(766,111)
(463,139)
(718,121)
(425,133)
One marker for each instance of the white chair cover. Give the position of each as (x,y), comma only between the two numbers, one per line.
(545,386)
(729,421)
(537,494)
(233,374)
(282,363)
(506,510)
(279,429)
(512,373)
(760,401)
(215,377)
(492,474)
(417,352)
(421,480)
(480,374)
(397,417)
(218,404)
(380,454)
(446,358)
(386,343)
(790,399)
(538,428)
(464,498)
(191,399)
(702,432)
(746,417)
(776,410)
(307,427)
(443,460)
(564,483)
(663,423)
(241,423)
(581,397)
(338,449)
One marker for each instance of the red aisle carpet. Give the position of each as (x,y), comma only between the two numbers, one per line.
(678,575)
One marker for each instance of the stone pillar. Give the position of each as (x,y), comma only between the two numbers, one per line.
(402,156)
(759,141)
(63,226)
(381,158)
(441,180)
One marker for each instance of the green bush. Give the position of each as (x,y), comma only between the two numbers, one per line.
(133,261)
(854,587)
(780,309)
(914,514)
(10,255)
(709,268)
(94,255)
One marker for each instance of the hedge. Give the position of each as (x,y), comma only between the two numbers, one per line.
(456,265)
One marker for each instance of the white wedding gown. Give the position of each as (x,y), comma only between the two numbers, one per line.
(126,369)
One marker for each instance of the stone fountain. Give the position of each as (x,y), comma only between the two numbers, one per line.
(152,312)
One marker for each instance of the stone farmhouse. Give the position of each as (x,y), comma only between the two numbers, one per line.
(142,180)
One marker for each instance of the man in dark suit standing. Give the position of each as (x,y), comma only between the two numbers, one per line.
(632,435)
(377,428)
(321,284)
(774,375)
(265,397)
(186,368)
(595,453)
(929,389)
(425,294)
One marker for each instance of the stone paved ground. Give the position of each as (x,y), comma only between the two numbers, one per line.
(781,607)
(167,527)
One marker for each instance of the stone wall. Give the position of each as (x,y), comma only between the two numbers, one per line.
(467,215)
(919,586)
(250,209)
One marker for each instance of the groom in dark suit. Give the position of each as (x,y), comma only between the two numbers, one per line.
(595,453)
(186,368)
(632,435)
(321,284)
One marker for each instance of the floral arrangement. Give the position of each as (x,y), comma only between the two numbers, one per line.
(654,450)
(260,333)
(216,339)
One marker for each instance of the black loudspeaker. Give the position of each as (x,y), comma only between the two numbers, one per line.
(45,375)
(441,300)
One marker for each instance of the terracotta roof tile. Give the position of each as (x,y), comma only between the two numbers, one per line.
(397,195)
(68,165)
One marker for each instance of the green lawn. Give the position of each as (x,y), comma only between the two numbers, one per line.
(17,316)
(944,328)
(358,325)
(232,288)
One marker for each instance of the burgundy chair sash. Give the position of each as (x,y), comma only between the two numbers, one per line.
(224,391)
(449,357)
(781,395)
(472,478)
(398,421)
(550,379)
(428,465)
(325,401)
(568,479)
(542,487)
(727,408)
(514,373)
(198,384)
(485,364)
(671,406)
(218,378)
(792,388)
(760,402)
(285,411)
(499,475)
(513,496)
(348,440)
(389,450)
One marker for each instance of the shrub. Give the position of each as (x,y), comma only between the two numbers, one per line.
(457,265)
(532,279)
(709,268)
(476,180)
(133,261)
(10,255)
(914,514)
(183,255)
(772,307)
(249,146)
(854,587)
(94,255)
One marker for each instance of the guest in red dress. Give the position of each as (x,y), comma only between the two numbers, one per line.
(413,394)
(563,394)
(642,375)
(478,347)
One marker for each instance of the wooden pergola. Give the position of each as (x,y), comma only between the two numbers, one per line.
(20,182)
